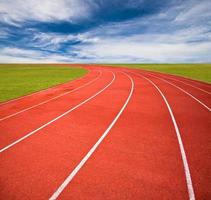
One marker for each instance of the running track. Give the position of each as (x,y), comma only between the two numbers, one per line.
(115,133)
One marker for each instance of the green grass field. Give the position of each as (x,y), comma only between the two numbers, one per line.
(22,79)
(195,71)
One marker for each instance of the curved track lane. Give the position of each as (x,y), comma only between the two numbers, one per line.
(30,122)
(206,87)
(60,147)
(194,124)
(108,135)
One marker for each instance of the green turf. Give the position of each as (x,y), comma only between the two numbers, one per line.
(23,79)
(195,71)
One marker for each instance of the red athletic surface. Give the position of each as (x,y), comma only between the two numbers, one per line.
(139,158)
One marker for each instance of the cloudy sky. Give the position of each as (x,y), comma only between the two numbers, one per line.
(147,31)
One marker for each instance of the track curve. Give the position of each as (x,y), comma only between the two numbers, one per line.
(109,135)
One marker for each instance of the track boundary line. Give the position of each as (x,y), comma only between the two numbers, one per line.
(163,76)
(34,93)
(51,99)
(191,80)
(184,78)
(92,150)
(193,97)
(58,117)
(179,138)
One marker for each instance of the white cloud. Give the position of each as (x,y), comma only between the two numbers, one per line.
(13,55)
(18,11)
(17,55)
(18,52)
(195,11)
(176,47)
(136,50)
(55,39)
(167,37)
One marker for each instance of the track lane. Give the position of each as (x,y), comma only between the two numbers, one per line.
(202,85)
(206,106)
(15,128)
(138,159)
(185,83)
(199,96)
(194,123)
(134,161)
(70,177)
(180,142)
(43,162)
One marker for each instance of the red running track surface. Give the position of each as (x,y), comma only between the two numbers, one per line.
(108,135)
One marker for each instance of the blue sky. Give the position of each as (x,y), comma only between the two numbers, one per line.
(115,31)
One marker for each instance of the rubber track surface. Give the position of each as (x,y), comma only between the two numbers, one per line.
(44,138)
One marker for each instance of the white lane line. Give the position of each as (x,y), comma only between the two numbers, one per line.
(204,84)
(51,99)
(193,97)
(92,150)
(34,93)
(60,116)
(181,146)
(164,76)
